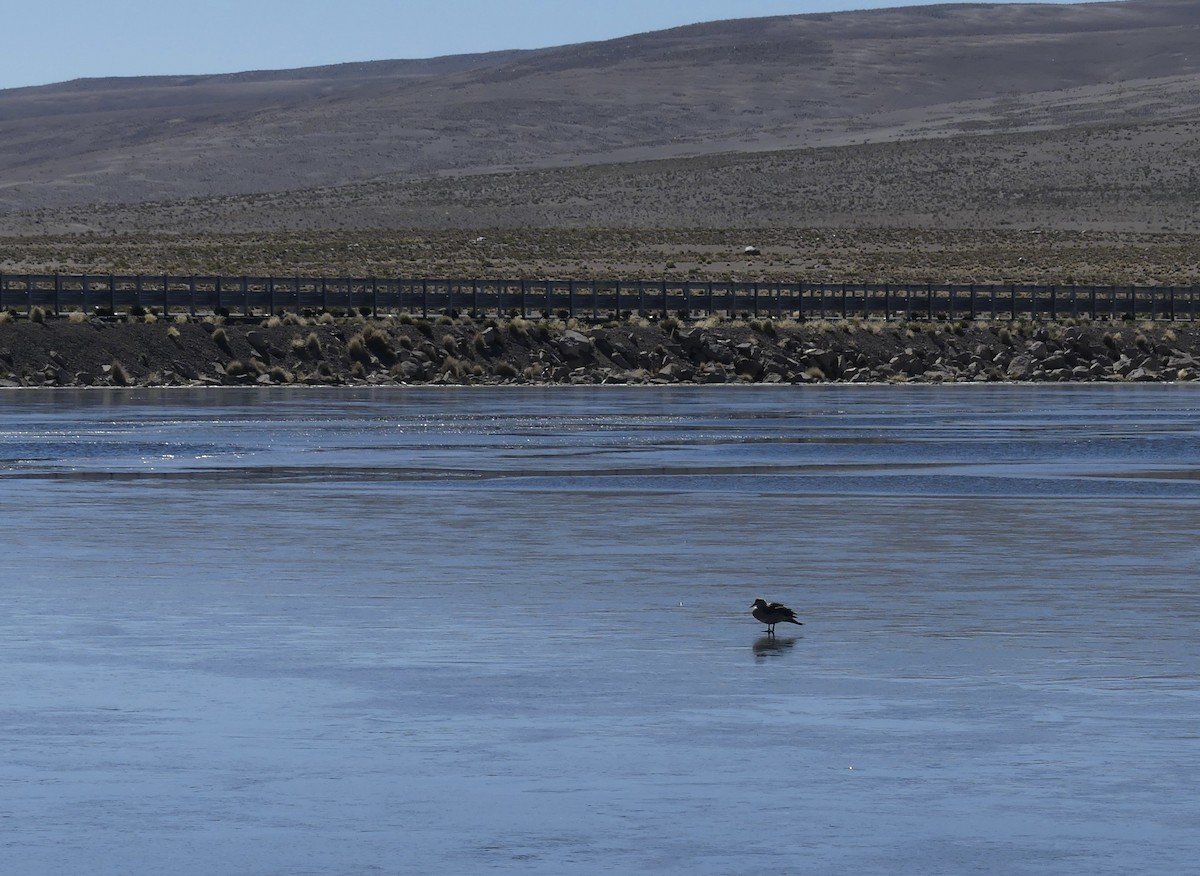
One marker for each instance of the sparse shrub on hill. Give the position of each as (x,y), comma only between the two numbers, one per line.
(118,374)
(356,349)
(379,343)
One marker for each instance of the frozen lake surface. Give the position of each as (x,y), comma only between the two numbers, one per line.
(472,631)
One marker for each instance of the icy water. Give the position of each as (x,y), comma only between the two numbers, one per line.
(473,631)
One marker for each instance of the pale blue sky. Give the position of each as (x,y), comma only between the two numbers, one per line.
(55,40)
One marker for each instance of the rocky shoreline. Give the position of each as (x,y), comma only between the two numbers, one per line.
(38,350)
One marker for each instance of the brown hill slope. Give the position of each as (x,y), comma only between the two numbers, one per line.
(751,85)
(1133,178)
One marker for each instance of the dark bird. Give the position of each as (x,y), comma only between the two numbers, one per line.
(771,613)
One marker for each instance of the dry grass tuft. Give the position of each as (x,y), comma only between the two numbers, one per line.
(118,374)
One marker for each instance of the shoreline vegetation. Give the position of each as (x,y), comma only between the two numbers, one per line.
(142,349)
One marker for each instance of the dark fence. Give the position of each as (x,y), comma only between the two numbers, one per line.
(590,299)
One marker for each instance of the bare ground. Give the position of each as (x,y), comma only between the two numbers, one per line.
(896,255)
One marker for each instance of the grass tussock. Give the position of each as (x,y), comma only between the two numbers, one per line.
(221,339)
(77,316)
(119,374)
(356,349)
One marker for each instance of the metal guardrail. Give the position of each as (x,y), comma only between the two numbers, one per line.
(595,299)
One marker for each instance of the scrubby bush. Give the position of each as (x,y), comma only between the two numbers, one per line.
(118,374)
(379,343)
(356,349)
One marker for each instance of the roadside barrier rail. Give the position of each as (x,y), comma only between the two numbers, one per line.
(167,295)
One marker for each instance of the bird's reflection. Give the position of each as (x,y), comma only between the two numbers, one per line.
(772,646)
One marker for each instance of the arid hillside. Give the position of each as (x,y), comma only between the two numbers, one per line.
(794,83)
